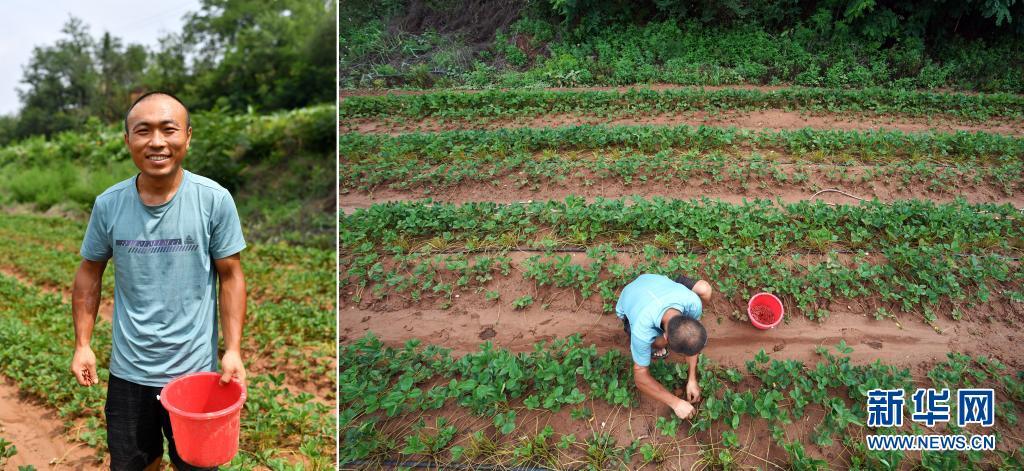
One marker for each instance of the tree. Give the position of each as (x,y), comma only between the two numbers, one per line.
(262,53)
(119,70)
(61,82)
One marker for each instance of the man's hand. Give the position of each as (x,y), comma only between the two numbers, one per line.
(231,366)
(683,409)
(692,390)
(83,365)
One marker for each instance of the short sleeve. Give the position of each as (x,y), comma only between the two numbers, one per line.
(96,245)
(690,304)
(694,308)
(226,229)
(641,350)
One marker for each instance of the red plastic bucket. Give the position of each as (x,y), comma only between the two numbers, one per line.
(760,302)
(204,417)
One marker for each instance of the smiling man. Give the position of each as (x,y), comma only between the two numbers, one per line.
(172,235)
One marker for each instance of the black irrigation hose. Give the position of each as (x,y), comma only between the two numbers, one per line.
(434,465)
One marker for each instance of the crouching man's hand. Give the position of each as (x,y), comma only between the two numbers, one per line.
(231,366)
(692,390)
(683,409)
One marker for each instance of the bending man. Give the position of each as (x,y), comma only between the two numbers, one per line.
(660,314)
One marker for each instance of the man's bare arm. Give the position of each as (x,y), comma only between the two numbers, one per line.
(232,315)
(85,304)
(650,386)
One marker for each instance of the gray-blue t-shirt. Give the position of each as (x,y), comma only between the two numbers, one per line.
(165,290)
(644,302)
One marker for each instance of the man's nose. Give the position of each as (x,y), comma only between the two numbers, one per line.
(158,140)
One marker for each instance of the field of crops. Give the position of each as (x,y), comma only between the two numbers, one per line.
(486,235)
(288,419)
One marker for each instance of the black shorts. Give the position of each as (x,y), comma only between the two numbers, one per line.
(136,426)
(685,281)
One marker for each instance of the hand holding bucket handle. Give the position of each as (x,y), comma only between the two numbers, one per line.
(231,366)
(205,417)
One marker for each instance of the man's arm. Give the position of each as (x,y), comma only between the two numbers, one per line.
(650,386)
(692,385)
(232,315)
(85,304)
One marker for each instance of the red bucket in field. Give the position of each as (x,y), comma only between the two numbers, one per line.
(765,311)
(204,417)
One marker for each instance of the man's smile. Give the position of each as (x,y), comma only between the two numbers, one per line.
(157,158)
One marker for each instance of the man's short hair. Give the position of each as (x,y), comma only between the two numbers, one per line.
(686,335)
(188,116)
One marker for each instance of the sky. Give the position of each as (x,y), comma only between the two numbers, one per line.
(28,23)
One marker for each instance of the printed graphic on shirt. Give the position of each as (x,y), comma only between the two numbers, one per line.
(159,245)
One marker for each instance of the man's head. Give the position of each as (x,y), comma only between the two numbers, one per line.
(157,131)
(685,335)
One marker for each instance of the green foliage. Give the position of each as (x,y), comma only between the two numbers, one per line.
(495,103)
(242,55)
(924,253)
(261,55)
(779,393)
(290,328)
(7,450)
(522,302)
(599,42)
(274,164)
(636,155)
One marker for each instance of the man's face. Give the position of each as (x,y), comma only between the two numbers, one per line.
(158,136)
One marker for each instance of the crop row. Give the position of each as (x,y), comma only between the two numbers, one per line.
(607,103)
(289,326)
(685,225)
(926,281)
(912,256)
(669,167)
(832,145)
(36,340)
(46,250)
(380,385)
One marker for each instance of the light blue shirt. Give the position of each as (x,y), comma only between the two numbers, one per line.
(644,302)
(165,290)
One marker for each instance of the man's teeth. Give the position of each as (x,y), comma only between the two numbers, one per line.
(157,158)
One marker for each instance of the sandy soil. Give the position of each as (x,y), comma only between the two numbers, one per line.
(771,119)
(732,340)
(37,432)
(507,191)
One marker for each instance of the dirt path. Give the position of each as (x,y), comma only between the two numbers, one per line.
(908,343)
(771,119)
(507,191)
(37,432)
